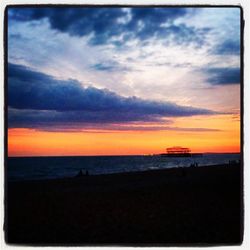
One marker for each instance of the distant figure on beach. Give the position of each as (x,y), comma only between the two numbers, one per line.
(233,162)
(195,164)
(80,174)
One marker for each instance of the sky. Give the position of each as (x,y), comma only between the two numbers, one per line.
(122,81)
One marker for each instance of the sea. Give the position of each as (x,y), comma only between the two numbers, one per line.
(34,168)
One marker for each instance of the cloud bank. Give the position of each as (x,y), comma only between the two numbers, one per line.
(36,99)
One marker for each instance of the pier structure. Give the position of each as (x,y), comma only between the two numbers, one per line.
(177,152)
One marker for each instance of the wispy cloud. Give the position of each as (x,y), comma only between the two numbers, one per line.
(92,128)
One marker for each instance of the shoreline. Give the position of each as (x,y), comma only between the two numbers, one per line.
(191,205)
(136,172)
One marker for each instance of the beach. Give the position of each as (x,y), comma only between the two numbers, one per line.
(178,206)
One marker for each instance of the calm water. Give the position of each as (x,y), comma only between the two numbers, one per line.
(28,168)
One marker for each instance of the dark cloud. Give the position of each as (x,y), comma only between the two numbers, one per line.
(40,118)
(103,67)
(223,76)
(228,47)
(38,99)
(106,23)
(86,122)
(110,66)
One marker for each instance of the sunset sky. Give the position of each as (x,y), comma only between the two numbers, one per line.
(121,81)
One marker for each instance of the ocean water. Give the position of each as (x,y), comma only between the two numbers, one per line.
(31,168)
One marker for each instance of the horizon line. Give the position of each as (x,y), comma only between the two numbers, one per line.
(19,156)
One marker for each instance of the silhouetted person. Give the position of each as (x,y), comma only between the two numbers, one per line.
(87,172)
(80,174)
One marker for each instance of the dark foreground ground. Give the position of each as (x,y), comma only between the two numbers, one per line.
(181,207)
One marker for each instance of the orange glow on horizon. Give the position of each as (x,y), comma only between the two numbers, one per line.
(31,142)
